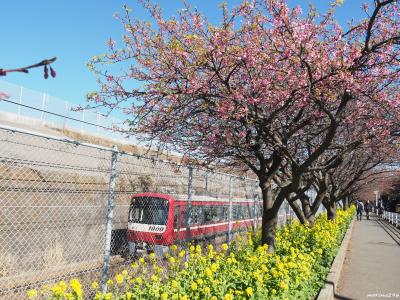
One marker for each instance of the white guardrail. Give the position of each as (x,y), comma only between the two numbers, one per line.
(392,217)
(28,106)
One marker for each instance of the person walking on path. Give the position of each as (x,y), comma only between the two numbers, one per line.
(360,208)
(368,208)
(380,211)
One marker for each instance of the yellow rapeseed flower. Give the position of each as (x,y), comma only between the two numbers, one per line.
(214,267)
(164,296)
(249,291)
(193,286)
(95,285)
(229,297)
(283,285)
(63,286)
(119,278)
(76,287)
(108,296)
(198,249)
(208,272)
(57,291)
(174,284)
(32,294)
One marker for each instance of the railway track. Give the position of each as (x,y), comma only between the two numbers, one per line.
(390,229)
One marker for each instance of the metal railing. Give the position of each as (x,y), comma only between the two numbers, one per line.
(392,218)
(33,107)
(64,207)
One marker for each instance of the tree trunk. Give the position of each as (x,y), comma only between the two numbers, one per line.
(298,211)
(345,203)
(269,225)
(305,203)
(311,220)
(330,209)
(269,219)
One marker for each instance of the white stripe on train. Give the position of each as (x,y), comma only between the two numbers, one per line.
(220,224)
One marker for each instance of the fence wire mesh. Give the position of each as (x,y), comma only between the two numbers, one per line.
(53,198)
(55,204)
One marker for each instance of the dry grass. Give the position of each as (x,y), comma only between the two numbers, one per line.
(8,264)
(54,256)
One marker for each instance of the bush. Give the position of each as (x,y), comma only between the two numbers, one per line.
(243,270)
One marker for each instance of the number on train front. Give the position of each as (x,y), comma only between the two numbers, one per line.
(147,223)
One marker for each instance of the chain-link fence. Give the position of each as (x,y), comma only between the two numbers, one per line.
(66,209)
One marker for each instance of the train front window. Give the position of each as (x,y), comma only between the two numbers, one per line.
(149,210)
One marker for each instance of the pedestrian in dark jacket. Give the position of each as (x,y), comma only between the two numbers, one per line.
(360,208)
(368,208)
(380,211)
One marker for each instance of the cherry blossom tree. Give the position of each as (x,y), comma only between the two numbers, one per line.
(357,153)
(269,89)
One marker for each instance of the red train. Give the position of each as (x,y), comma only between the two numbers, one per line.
(157,221)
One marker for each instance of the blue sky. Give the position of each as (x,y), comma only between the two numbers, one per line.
(74,31)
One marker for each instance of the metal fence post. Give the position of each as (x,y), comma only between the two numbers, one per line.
(206,181)
(43,107)
(20,101)
(189,205)
(110,208)
(83,119)
(230,211)
(66,113)
(97,122)
(255,214)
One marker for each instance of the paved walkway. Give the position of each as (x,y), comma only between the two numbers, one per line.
(372,265)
